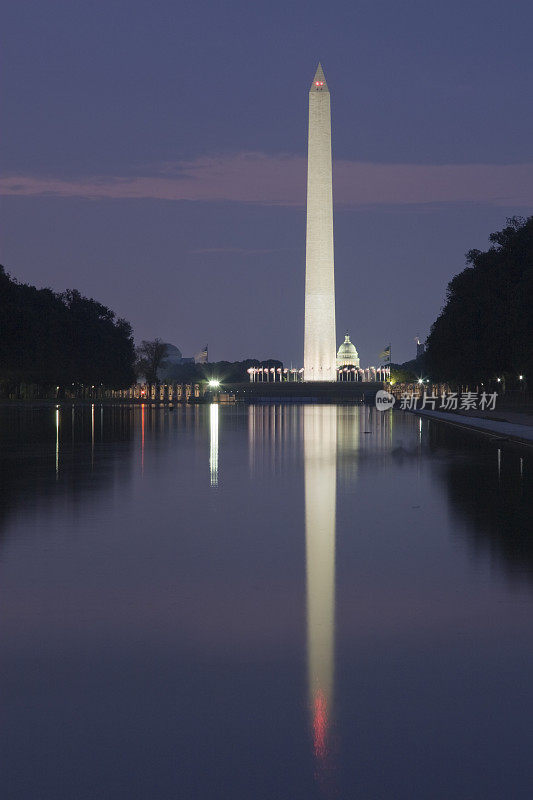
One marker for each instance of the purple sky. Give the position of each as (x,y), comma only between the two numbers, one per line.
(154,157)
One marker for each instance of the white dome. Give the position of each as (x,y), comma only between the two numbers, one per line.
(347,355)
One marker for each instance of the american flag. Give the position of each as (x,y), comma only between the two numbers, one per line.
(202,357)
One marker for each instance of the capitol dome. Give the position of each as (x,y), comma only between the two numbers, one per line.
(172,359)
(347,355)
(172,353)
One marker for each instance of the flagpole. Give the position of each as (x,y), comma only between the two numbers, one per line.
(386,357)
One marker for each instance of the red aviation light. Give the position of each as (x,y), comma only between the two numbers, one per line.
(319,83)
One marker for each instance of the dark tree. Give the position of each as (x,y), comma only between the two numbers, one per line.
(225,371)
(57,340)
(150,357)
(486,326)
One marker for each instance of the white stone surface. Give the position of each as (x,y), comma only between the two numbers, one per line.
(319,335)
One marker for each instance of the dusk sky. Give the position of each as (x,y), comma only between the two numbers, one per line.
(154,157)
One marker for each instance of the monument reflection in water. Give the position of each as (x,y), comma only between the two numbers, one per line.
(294,601)
(333,442)
(320,458)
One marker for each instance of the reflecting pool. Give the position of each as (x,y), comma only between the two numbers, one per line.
(295,601)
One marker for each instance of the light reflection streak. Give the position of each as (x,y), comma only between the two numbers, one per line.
(142,438)
(57,442)
(213,443)
(92,435)
(251,438)
(320,459)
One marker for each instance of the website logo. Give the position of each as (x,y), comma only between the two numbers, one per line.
(384,400)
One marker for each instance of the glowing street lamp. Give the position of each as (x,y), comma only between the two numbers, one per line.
(214,384)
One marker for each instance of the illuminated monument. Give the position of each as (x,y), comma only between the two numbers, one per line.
(319,336)
(322,362)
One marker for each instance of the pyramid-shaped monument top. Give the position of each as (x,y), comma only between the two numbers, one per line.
(319,81)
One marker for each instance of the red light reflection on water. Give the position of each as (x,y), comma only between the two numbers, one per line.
(320,725)
(325,772)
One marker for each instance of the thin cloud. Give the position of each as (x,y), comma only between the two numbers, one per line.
(244,251)
(280,180)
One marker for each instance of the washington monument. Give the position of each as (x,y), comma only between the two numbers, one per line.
(319,336)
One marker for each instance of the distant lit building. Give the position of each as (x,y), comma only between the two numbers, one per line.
(347,355)
(348,369)
(172,359)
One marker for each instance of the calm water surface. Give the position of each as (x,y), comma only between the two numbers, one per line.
(263,602)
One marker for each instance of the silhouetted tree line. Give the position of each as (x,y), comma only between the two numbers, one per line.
(485,329)
(50,339)
(409,371)
(225,371)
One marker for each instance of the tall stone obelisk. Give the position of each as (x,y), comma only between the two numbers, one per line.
(319,335)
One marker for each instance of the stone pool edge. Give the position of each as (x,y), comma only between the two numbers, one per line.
(523,434)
